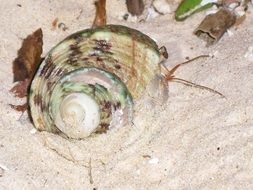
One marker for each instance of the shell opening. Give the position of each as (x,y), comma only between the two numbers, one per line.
(89,100)
(79,115)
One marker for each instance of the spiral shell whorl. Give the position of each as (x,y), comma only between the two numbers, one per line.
(111,65)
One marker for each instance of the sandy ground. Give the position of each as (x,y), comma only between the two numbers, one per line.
(198,140)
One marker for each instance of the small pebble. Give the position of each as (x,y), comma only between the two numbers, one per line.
(153,161)
(3,167)
(249,54)
(232,6)
(214,54)
(230,33)
(162,6)
(33,131)
(152,13)
(131,18)
(212,10)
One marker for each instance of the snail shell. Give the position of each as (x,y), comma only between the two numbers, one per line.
(87,83)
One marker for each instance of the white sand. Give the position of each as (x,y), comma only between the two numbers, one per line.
(196,141)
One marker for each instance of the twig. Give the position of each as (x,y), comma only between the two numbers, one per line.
(90,173)
(79,15)
(100,18)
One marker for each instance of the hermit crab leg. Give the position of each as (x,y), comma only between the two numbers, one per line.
(172,71)
(188,83)
(170,77)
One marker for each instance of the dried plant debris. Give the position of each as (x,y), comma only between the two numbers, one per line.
(223,15)
(215,25)
(100,18)
(29,56)
(54,24)
(135,7)
(20,89)
(26,64)
(20,108)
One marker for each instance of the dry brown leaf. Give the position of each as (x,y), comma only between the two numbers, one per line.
(21,108)
(100,18)
(54,24)
(20,89)
(212,28)
(25,65)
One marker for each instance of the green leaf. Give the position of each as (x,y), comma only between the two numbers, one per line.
(189,7)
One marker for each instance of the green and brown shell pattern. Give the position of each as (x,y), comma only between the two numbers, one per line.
(105,69)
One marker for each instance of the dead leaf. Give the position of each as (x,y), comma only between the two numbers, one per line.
(20,89)
(21,108)
(25,65)
(100,18)
(212,28)
(54,24)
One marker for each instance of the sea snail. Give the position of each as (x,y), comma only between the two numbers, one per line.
(87,83)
